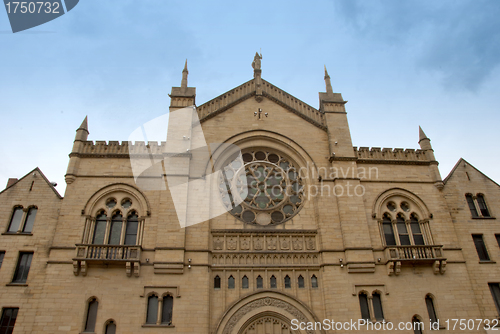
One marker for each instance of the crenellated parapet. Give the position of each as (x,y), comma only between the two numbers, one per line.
(390,155)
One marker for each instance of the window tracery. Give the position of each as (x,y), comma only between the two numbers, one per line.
(268,189)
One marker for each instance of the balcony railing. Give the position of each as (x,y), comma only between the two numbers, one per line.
(130,255)
(415,255)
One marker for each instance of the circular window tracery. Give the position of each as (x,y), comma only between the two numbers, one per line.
(265,189)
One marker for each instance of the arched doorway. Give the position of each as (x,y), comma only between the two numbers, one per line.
(266,313)
(267,323)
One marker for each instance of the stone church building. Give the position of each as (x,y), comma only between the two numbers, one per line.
(316,232)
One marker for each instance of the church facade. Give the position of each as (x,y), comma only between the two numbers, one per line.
(314,235)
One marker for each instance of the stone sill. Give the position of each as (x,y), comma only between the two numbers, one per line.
(487,262)
(17,233)
(16,284)
(481,217)
(162,326)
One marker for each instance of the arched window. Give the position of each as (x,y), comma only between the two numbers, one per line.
(91,315)
(217,282)
(272,282)
(244,282)
(417,325)
(230,282)
(15,220)
(166,313)
(482,206)
(390,240)
(152,315)
(115,231)
(377,306)
(300,281)
(314,281)
(288,282)
(403,220)
(431,309)
(404,237)
(260,282)
(472,205)
(131,230)
(418,238)
(363,305)
(30,220)
(110,327)
(100,229)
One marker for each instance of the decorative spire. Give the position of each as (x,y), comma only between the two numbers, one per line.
(83,131)
(421,134)
(184,82)
(84,125)
(329,89)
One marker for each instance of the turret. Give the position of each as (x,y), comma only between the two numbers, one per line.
(182,96)
(333,106)
(425,145)
(81,136)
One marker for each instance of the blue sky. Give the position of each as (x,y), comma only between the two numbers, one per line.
(400,64)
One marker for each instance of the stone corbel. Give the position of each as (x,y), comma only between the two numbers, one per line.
(128,268)
(76,268)
(83,268)
(137,269)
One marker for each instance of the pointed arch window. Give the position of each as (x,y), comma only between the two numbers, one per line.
(230,282)
(30,220)
(472,205)
(377,306)
(431,309)
(288,282)
(390,239)
(300,281)
(272,282)
(217,282)
(244,282)
(152,314)
(167,309)
(110,327)
(369,304)
(418,237)
(132,228)
(93,304)
(477,206)
(15,220)
(482,206)
(100,229)
(417,325)
(260,282)
(363,305)
(404,237)
(116,229)
(314,281)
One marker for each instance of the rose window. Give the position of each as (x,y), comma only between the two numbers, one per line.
(265,189)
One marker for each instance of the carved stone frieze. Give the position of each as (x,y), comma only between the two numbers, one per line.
(264,241)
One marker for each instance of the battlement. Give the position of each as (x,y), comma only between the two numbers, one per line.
(389,154)
(102,147)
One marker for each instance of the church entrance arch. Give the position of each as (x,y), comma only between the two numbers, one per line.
(266,313)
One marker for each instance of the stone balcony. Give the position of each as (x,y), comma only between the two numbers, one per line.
(424,255)
(120,255)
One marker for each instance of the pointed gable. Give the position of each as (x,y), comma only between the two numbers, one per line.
(247,90)
(461,162)
(38,172)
